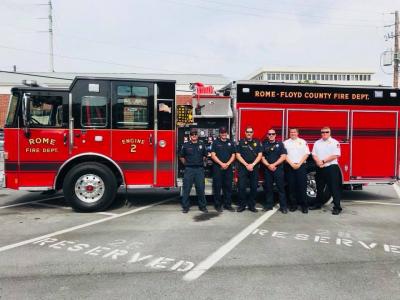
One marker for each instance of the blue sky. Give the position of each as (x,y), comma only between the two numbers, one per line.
(233,38)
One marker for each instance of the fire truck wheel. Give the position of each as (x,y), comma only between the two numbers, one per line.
(90,187)
(312,189)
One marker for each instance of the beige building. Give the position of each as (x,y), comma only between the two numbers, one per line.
(319,76)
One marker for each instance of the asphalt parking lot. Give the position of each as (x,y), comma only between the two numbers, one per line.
(145,248)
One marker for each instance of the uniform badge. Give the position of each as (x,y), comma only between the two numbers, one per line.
(277,145)
(255,144)
(271,149)
(200,146)
(229,144)
(245,143)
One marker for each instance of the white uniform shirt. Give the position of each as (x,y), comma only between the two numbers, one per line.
(323,149)
(296,149)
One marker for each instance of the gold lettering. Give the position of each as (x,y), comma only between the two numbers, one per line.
(265,94)
(47,141)
(360,97)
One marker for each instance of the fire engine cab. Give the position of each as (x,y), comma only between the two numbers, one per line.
(101,134)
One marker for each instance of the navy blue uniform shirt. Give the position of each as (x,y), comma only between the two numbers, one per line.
(249,149)
(223,150)
(193,153)
(273,151)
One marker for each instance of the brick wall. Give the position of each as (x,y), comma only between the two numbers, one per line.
(183,99)
(3,108)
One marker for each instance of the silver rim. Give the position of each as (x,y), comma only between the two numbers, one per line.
(89,188)
(311,185)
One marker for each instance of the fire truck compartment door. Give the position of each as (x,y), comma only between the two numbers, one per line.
(133,135)
(261,119)
(374,144)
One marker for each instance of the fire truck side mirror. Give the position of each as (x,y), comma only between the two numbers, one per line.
(25,114)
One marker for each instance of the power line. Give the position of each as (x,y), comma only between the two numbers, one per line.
(89,59)
(36,75)
(264,16)
(279,12)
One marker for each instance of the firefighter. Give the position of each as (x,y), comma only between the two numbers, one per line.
(326,152)
(192,156)
(223,155)
(274,154)
(297,154)
(249,153)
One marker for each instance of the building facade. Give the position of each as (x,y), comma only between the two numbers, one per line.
(318,76)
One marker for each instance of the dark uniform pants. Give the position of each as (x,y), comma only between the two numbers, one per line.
(330,176)
(195,175)
(297,180)
(252,177)
(270,177)
(222,179)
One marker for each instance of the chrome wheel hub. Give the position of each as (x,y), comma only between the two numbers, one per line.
(89,188)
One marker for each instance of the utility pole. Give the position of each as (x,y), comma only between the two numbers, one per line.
(50,32)
(51,37)
(396,60)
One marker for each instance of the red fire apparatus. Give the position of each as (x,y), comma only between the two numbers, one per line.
(102,134)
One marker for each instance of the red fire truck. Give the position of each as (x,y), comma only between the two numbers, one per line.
(102,134)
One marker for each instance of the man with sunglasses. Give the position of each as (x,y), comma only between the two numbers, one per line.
(326,152)
(192,156)
(297,154)
(274,154)
(223,155)
(249,153)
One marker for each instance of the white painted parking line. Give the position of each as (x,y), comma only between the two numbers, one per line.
(22,243)
(70,208)
(30,202)
(211,260)
(375,202)
(397,189)
(106,213)
(52,205)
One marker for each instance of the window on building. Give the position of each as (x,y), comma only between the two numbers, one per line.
(369,77)
(335,77)
(330,77)
(318,76)
(291,77)
(352,77)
